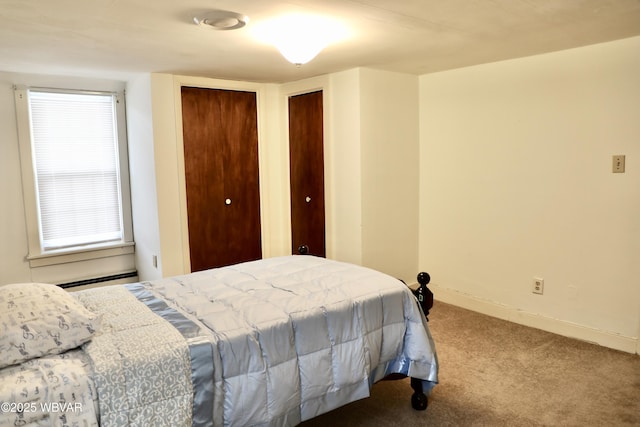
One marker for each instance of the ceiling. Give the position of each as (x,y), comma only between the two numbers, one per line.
(117,38)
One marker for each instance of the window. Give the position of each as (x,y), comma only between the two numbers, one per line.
(73,151)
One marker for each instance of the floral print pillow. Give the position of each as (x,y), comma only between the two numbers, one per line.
(38,319)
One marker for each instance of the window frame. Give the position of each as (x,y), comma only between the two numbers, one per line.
(37,256)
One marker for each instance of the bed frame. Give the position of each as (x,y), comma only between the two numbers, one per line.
(419,400)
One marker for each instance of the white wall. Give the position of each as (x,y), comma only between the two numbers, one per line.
(13,229)
(144,199)
(374,170)
(345,173)
(516,183)
(390,172)
(172,236)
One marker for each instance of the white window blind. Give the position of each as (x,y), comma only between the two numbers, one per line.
(75,155)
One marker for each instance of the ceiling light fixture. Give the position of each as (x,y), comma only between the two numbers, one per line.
(223,20)
(300,38)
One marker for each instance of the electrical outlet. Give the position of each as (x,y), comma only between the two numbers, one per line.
(618,163)
(538,285)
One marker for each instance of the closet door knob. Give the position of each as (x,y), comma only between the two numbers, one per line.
(307,199)
(227,201)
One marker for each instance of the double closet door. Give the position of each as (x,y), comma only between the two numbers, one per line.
(220,134)
(220,137)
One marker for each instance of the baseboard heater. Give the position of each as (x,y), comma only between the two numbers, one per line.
(99,280)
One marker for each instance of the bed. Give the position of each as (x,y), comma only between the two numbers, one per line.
(272,342)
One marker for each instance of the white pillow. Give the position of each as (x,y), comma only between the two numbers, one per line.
(38,319)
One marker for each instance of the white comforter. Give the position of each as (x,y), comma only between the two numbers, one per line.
(297,336)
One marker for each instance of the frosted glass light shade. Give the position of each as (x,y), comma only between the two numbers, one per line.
(299,51)
(300,38)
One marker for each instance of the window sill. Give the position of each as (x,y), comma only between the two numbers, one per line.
(86,253)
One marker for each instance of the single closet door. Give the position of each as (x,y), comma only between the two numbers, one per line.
(220,134)
(306,160)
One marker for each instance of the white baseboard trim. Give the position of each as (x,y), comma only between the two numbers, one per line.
(556,326)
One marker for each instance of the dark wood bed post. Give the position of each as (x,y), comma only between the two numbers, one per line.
(424,295)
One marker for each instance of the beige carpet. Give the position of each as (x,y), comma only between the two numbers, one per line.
(497,373)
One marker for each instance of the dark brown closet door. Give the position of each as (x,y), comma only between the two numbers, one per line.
(221,172)
(307,173)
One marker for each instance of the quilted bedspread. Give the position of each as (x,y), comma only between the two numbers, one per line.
(293,337)
(141,364)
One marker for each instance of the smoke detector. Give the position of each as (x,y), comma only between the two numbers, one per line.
(222,20)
